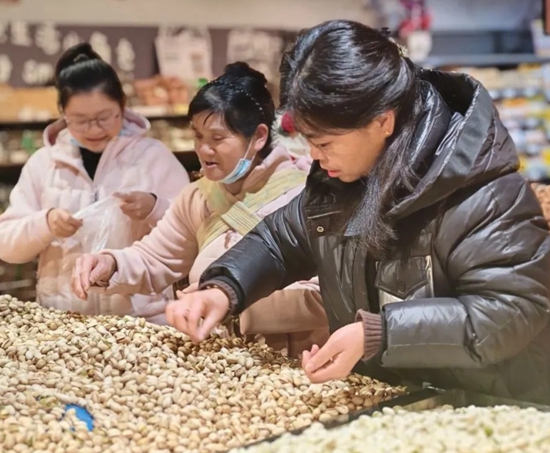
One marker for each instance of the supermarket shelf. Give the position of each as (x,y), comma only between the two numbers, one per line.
(504,59)
(25,124)
(19,165)
(9,173)
(14,166)
(168,117)
(40,124)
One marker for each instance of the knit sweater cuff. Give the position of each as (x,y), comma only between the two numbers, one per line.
(228,290)
(372,325)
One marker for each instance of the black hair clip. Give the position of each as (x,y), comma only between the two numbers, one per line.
(220,82)
(386,32)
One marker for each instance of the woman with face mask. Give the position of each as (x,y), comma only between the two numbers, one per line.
(432,252)
(97,149)
(246,177)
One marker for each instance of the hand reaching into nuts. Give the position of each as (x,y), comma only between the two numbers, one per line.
(337,357)
(92,270)
(197,313)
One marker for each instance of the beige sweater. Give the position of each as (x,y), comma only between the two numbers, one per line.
(171,252)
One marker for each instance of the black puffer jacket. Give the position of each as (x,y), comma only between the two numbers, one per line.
(464,297)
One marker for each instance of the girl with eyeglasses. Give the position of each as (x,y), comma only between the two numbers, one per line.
(97,149)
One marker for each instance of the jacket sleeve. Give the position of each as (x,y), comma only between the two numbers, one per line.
(495,248)
(269,258)
(24,231)
(170,177)
(162,257)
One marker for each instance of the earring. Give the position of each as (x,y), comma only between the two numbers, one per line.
(387,133)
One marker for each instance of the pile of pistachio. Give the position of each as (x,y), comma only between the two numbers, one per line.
(149,389)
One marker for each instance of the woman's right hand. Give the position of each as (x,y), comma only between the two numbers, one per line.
(197,313)
(62,224)
(92,270)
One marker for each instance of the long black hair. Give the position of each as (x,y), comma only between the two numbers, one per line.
(81,70)
(242,97)
(340,76)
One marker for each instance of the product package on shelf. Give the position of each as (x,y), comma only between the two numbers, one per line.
(170,93)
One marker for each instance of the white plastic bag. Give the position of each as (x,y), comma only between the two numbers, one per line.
(104,225)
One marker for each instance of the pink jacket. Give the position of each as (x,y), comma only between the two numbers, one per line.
(54,177)
(171,252)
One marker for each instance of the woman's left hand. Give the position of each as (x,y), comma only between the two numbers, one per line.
(136,205)
(338,356)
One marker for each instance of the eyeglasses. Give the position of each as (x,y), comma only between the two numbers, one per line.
(105,121)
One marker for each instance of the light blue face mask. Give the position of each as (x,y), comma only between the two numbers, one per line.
(74,142)
(240,170)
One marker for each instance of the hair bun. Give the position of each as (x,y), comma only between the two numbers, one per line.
(76,54)
(240,69)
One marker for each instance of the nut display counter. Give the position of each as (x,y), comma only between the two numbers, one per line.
(71,383)
(428,421)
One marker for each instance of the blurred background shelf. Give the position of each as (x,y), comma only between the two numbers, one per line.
(10,172)
(42,124)
(483,60)
(496,41)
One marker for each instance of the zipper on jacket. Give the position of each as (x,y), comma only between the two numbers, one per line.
(319,216)
(99,171)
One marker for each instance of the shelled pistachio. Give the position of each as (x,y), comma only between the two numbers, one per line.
(446,430)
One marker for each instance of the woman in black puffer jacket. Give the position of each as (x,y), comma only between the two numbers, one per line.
(431,250)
